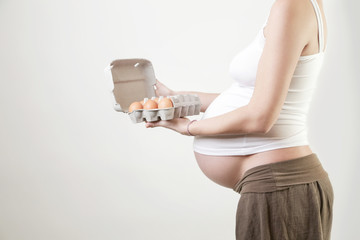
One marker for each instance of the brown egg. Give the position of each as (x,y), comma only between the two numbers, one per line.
(135,106)
(150,104)
(156,99)
(165,103)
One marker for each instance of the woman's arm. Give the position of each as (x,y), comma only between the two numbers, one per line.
(205,98)
(288,32)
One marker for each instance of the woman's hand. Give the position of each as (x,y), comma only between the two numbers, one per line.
(162,90)
(177,124)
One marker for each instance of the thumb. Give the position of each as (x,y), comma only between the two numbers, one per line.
(156,85)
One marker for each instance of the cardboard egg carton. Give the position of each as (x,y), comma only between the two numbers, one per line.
(131,80)
(183,105)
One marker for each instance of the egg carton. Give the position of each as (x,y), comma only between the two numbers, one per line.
(131,80)
(183,105)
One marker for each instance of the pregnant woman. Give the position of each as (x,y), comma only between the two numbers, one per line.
(253,136)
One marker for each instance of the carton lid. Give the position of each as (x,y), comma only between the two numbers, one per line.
(130,80)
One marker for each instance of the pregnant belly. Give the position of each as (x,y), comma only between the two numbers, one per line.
(228,170)
(223,170)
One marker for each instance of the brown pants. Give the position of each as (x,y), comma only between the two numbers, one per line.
(291,200)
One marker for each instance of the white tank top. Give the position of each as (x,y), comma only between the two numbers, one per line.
(290,129)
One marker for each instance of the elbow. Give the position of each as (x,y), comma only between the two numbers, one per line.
(264,128)
(263,124)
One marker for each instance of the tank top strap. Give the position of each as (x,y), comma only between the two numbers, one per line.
(320,24)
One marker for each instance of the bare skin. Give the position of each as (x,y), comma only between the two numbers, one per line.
(291,32)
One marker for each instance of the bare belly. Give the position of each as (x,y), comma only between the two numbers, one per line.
(228,170)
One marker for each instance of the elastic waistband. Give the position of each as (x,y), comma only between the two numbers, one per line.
(281,175)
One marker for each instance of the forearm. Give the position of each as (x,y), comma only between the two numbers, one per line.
(205,98)
(242,120)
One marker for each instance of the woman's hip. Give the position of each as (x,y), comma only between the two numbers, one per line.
(281,175)
(291,199)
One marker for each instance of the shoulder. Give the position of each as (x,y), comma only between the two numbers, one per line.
(291,8)
(291,17)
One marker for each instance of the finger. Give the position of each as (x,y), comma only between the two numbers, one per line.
(152,124)
(158,83)
(149,124)
(156,87)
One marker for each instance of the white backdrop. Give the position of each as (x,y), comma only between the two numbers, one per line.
(73,168)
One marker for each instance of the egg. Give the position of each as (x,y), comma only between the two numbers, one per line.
(135,106)
(165,103)
(150,104)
